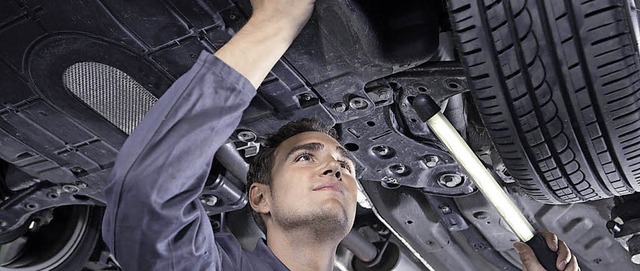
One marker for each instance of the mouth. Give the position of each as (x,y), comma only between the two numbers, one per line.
(330,186)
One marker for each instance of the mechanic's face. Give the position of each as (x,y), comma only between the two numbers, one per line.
(313,184)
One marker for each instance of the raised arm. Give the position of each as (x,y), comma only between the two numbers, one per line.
(153,219)
(264,39)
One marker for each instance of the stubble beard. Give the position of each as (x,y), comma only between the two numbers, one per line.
(322,223)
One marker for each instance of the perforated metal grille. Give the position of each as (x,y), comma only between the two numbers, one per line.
(110,92)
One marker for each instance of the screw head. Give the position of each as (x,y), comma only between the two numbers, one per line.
(384,94)
(358,103)
(450,180)
(247,136)
(431,160)
(305,97)
(390,182)
(482,215)
(445,209)
(209,200)
(398,168)
(339,107)
(69,188)
(614,227)
(381,150)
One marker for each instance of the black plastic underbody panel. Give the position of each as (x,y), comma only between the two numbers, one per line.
(49,133)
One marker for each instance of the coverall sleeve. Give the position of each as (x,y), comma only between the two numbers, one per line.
(154,220)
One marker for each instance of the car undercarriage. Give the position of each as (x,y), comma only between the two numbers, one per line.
(544,92)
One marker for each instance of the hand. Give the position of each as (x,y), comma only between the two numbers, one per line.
(292,13)
(566,260)
(265,37)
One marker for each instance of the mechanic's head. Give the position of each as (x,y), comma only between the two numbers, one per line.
(303,178)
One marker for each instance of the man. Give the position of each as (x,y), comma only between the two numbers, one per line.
(302,185)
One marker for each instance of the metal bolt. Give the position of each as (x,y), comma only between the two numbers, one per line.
(398,168)
(339,107)
(482,215)
(445,209)
(384,94)
(247,136)
(305,96)
(614,227)
(209,200)
(69,188)
(358,103)
(450,180)
(390,182)
(381,150)
(431,160)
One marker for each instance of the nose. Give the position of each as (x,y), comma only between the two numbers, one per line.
(336,173)
(333,169)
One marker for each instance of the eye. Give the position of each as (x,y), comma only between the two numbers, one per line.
(304,157)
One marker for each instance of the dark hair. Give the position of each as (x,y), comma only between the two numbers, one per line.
(262,164)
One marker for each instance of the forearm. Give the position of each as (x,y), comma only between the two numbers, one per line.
(255,49)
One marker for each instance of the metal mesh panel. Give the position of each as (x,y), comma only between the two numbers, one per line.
(110,92)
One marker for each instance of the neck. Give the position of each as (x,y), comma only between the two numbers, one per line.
(301,249)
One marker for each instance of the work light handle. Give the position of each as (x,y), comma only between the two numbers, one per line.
(425,106)
(545,255)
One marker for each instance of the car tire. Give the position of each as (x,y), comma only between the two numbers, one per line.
(556,84)
(66,243)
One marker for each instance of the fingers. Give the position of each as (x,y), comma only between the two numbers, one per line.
(564,255)
(551,239)
(527,257)
(573,265)
(566,260)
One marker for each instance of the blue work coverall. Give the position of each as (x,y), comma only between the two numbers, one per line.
(154,220)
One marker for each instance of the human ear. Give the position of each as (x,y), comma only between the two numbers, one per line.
(258,198)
